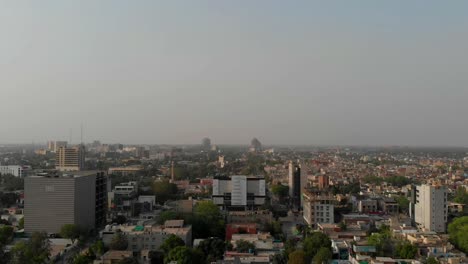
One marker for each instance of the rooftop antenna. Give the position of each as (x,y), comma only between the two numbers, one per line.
(71,133)
(81,128)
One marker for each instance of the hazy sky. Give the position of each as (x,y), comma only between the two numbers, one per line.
(287,72)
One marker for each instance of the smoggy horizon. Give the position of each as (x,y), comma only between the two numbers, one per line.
(290,73)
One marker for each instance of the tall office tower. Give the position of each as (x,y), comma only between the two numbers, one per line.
(255,145)
(239,192)
(297,183)
(206,143)
(429,207)
(70,159)
(53,200)
(53,146)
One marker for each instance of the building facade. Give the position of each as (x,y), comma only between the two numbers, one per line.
(149,237)
(54,200)
(53,146)
(319,208)
(429,207)
(15,170)
(297,179)
(239,192)
(70,159)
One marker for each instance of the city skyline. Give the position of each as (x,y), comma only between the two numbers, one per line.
(313,73)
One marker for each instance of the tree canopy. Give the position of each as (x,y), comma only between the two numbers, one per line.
(313,243)
(244,246)
(119,242)
(171,242)
(406,250)
(212,248)
(323,256)
(458,231)
(34,251)
(297,257)
(280,190)
(70,231)
(164,190)
(184,255)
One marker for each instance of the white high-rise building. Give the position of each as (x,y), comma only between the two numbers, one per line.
(430,208)
(239,192)
(15,170)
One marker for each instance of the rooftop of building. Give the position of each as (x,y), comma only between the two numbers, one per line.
(248,177)
(65,174)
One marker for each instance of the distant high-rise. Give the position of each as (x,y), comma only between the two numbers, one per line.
(297,179)
(255,145)
(52,201)
(70,159)
(429,207)
(206,143)
(53,146)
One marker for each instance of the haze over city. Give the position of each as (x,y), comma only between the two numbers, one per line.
(302,72)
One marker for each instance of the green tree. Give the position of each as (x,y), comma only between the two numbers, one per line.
(171,242)
(128,260)
(6,235)
(207,210)
(403,203)
(406,250)
(35,251)
(81,259)
(279,190)
(168,215)
(461,195)
(297,257)
(382,243)
(289,246)
(313,243)
(119,242)
(343,226)
(21,223)
(164,190)
(207,220)
(98,248)
(212,248)
(324,255)
(180,254)
(70,231)
(157,257)
(279,258)
(431,260)
(274,228)
(245,246)
(119,219)
(458,232)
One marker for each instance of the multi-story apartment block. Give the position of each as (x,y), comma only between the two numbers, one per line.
(53,200)
(318,208)
(149,237)
(367,206)
(239,192)
(15,170)
(70,159)
(429,207)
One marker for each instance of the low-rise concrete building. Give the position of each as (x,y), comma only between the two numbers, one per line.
(149,237)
